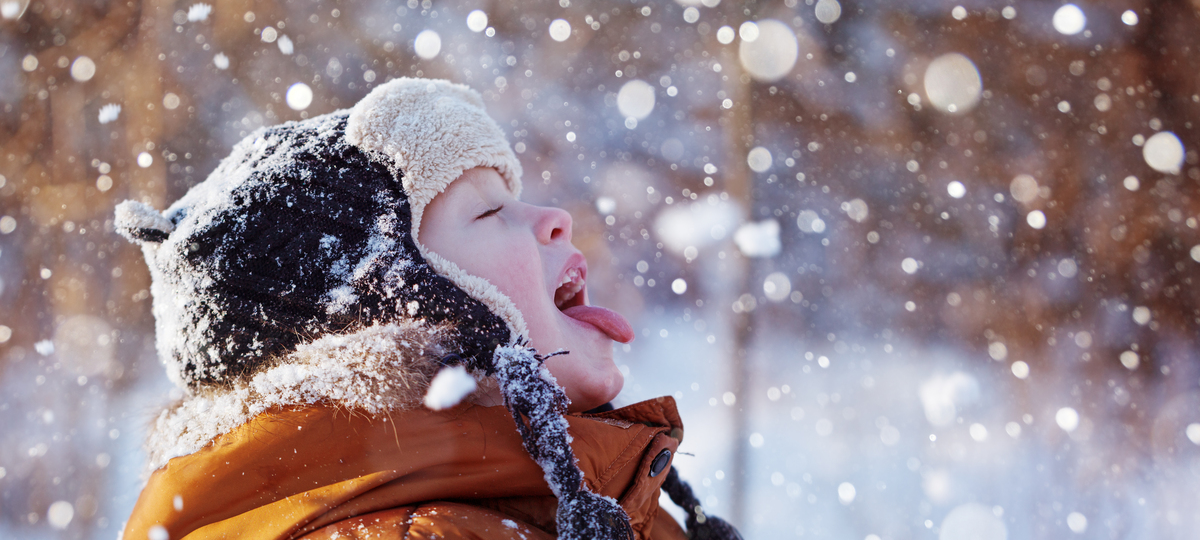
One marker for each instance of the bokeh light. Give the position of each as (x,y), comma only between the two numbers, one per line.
(772,53)
(428,44)
(299,96)
(953,84)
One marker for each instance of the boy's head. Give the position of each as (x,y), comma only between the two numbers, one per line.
(525,251)
(405,206)
(310,229)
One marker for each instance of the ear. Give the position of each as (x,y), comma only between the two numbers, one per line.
(141,223)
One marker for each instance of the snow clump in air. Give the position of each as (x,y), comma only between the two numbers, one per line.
(694,226)
(449,387)
(285,45)
(759,239)
(199,12)
(109,113)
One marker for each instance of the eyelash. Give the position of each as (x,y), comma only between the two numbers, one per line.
(490,212)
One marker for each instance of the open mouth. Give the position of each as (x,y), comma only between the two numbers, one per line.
(570,292)
(571,299)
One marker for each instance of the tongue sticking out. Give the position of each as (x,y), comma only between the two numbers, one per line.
(607,320)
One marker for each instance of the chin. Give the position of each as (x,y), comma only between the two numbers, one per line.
(598,389)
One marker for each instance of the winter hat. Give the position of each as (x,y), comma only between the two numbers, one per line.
(310,229)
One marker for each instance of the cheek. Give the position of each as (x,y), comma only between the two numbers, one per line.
(518,275)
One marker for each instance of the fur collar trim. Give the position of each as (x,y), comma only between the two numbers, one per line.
(378,368)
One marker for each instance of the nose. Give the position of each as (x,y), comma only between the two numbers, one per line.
(552,225)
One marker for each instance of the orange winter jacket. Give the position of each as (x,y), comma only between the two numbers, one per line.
(326,472)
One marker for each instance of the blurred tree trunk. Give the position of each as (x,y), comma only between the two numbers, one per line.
(737,125)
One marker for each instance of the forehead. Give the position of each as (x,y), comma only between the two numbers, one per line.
(484,180)
(482,177)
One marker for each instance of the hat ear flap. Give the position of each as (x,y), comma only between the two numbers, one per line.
(141,223)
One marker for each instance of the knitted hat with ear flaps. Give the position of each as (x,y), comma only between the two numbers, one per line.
(310,228)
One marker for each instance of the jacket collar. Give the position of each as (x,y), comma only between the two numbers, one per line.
(286,472)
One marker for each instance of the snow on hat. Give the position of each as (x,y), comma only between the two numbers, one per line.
(295,235)
(310,228)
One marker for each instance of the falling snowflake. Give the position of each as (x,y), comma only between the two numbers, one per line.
(285,45)
(199,12)
(44,347)
(758,239)
(449,387)
(221,61)
(109,112)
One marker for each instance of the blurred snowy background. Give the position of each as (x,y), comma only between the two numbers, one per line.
(913,269)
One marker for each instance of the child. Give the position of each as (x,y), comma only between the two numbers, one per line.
(320,299)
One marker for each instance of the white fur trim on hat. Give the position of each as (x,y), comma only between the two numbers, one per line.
(430,132)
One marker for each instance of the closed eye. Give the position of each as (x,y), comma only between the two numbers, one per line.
(490,212)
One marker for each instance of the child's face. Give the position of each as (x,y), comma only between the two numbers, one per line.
(526,252)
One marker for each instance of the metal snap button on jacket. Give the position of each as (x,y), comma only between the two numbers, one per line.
(660,462)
